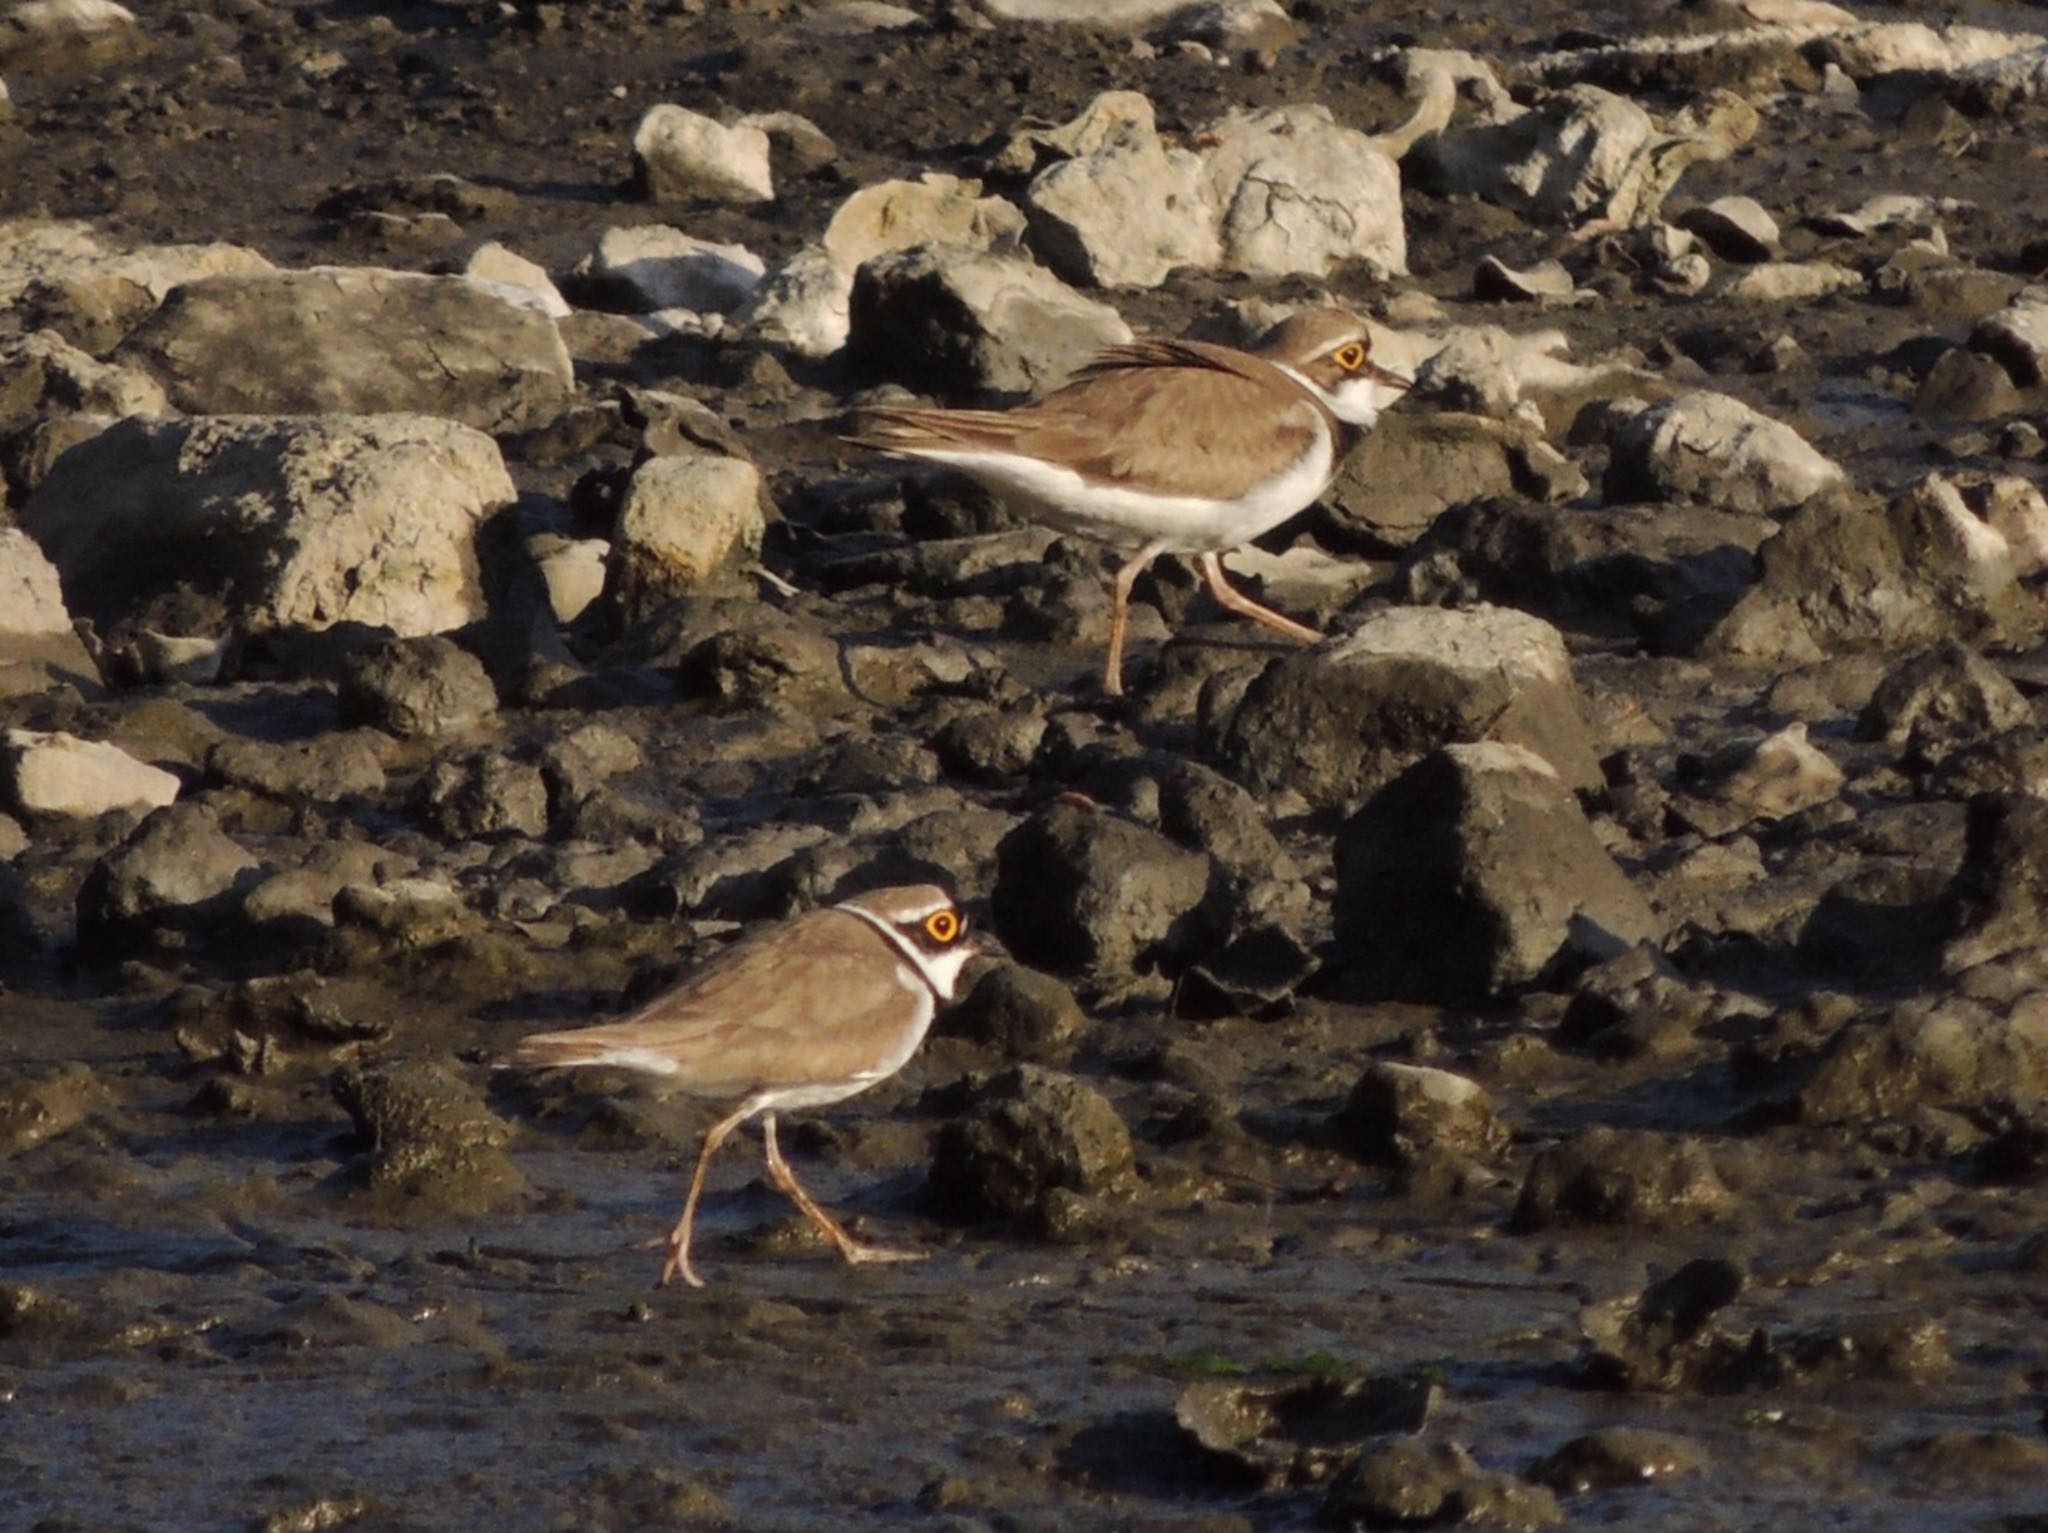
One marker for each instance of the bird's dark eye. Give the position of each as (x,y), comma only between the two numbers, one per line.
(1350,356)
(942,926)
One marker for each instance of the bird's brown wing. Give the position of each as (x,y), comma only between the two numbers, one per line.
(1175,417)
(802,1003)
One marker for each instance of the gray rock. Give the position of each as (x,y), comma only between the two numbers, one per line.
(1711,448)
(1735,228)
(1089,893)
(935,209)
(1535,283)
(1030,1133)
(1411,1483)
(1398,1112)
(517,278)
(579,764)
(174,879)
(1626,1177)
(1337,722)
(1793,281)
(246,524)
(1837,576)
(338,765)
(686,520)
(1206,811)
(1636,1006)
(1475,872)
(771,661)
(2017,338)
(1942,699)
(431,1148)
(1751,780)
(680,155)
(1417,464)
(484,793)
(963,323)
(1582,153)
(60,774)
(355,341)
(1022,1014)
(1665,1338)
(1965,385)
(649,267)
(1300,1433)
(415,688)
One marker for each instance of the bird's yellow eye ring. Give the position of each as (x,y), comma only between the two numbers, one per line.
(943,925)
(1350,356)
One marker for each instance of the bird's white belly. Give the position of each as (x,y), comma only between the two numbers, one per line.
(1183,524)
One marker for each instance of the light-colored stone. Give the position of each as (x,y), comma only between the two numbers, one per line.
(932,210)
(1881,48)
(57,773)
(1736,228)
(683,155)
(285,522)
(1541,280)
(1793,281)
(574,569)
(2011,80)
(1299,194)
(803,304)
(1586,155)
(1714,449)
(2018,338)
(48,376)
(794,141)
(517,278)
(32,31)
(684,520)
(355,340)
(1889,210)
(31,596)
(652,267)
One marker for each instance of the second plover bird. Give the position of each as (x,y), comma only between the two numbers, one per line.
(1169,447)
(803,1014)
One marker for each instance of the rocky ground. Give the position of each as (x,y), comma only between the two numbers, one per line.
(1570,1049)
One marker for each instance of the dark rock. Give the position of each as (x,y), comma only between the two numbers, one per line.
(579,764)
(484,793)
(1417,1485)
(1840,576)
(1937,701)
(338,765)
(1299,1434)
(962,323)
(1418,465)
(1204,810)
(1615,1458)
(1084,892)
(1475,872)
(1965,385)
(1664,1339)
(2006,764)
(2018,1153)
(2000,893)
(1908,1349)
(415,688)
(1030,1133)
(430,1146)
(1397,1112)
(1636,1006)
(41,1103)
(1255,974)
(1024,1015)
(1750,780)
(1337,722)
(1949,1053)
(1661,572)
(767,660)
(1625,1177)
(175,879)
(1973,1458)
(982,743)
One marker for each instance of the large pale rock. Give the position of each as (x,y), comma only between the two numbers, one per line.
(1337,722)
(1128,211)
(1583,153)
(67,276)
(59,773)
(1279,192)
(1881,48)
(962,322)
(651,267)
(1475,872)
(684,520)
(1298,194)
(680,155)
(804,304)
(34,33)
(255,523)
(31,596)
(1710,448)
(1842,574)
(43,375)
(355,341)
(2003,83)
